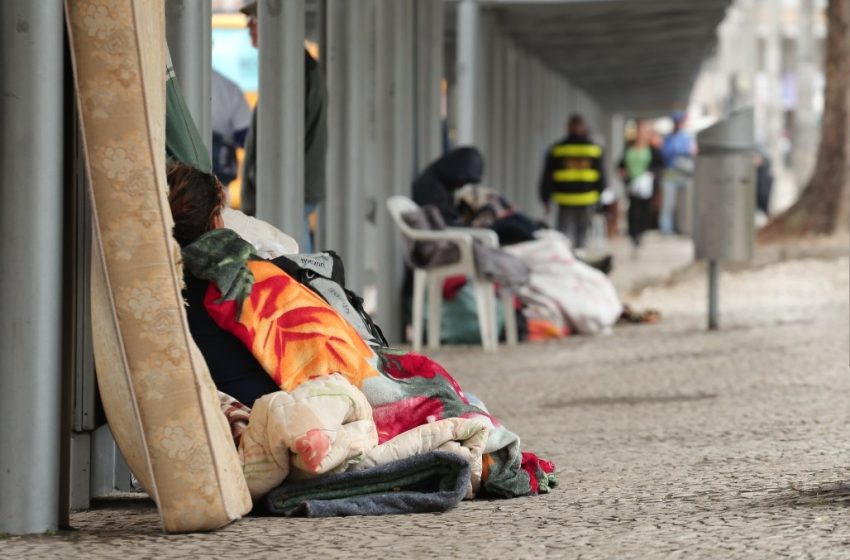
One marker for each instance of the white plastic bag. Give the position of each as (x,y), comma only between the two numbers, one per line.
(585,296)
(641,186)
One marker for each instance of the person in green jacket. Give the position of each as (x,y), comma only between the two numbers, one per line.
(315,140)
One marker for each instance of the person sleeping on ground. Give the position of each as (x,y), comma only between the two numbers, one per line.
(270,340)
(197,200)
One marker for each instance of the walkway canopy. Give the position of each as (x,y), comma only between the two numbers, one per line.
(632,56)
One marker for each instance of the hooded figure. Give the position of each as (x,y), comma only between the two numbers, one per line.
(437,184)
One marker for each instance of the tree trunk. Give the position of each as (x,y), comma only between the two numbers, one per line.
(824,206)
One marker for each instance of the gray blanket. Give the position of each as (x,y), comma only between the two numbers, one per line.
(433,482)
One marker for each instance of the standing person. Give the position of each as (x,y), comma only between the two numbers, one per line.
(573,178)
(315,139)
(231,120)
(678,151)
(639,170)
(764,182)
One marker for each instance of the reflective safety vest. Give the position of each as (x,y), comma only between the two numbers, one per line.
(576,177)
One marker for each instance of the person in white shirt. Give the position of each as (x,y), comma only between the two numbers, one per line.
(231,120)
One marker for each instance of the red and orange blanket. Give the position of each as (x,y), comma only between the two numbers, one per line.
(297,336)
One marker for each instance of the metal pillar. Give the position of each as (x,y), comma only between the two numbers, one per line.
(482,124)
(497,116)
(373,152)
(539,138)
(345,61)
(713,298)
(467,61)
(280,116)
(335,61)
(188,31)
(429,18)
(396,35)
(509,153)
(523,137)
(31,216)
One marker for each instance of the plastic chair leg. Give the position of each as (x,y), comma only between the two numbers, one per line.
(484,302)
(435,305)
(511,334)
(420,280)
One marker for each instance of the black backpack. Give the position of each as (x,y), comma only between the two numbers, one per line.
(324,274)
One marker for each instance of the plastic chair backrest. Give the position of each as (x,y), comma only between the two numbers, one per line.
(399,205)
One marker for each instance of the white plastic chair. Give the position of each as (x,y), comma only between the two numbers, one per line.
(432,278)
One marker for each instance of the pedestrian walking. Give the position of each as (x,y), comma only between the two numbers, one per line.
(572,180)
(639,169)
(678,151)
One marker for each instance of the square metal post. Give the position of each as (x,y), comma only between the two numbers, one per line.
(280,116)
(188,31)
(31,220)
(468,17)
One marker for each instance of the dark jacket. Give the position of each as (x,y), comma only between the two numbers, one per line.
(232,367)
(437,184)
(573,173)
(315,142)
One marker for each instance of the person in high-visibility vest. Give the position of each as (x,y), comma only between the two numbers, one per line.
(572,180)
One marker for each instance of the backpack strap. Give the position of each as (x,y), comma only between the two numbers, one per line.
(308,277)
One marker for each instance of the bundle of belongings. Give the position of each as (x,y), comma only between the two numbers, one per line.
(558,294)
(564,294)
(484,207)
(356,427)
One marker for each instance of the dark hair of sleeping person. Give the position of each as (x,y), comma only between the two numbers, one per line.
(196,199)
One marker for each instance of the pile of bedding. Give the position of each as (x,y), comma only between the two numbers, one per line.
(346,406)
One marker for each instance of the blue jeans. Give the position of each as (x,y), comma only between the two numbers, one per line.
(307,240)
(672,182)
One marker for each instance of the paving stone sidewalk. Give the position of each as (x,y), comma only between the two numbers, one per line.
(670,441)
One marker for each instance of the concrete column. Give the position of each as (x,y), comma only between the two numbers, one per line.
(429,18)
(468,17)
(483,95)
(396,37)
(280,116)
(31,217)
(345,208)
(496,163)
(805,119)
(509,155)
(188,31)
(373,155)
(522,147)
(335,62)
(531,148)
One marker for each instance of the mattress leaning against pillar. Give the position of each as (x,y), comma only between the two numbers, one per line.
(159,399)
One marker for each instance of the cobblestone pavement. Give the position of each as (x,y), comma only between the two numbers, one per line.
(659,256)
(670,441)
